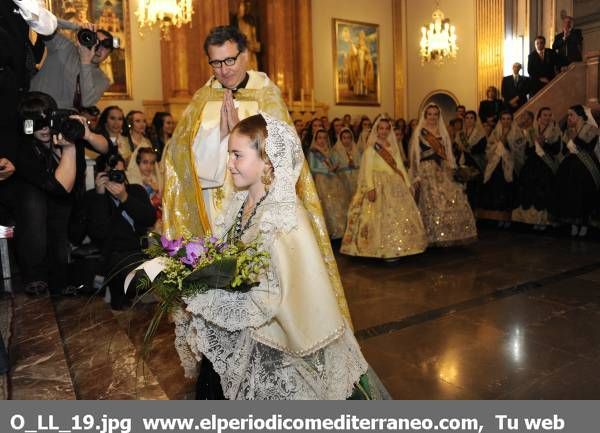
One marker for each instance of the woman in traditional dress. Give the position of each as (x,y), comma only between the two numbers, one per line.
(578,177)
(307,139)
(362,133)
(497,193)
(136,130)
(334,197)
(446,213)
(471,143)
(162,129)
(348,156)
(110,124)
(383,219)
(536,189)
(284,339)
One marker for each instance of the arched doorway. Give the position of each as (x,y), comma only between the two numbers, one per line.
(444,99)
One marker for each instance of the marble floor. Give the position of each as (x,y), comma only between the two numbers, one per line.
(514,316)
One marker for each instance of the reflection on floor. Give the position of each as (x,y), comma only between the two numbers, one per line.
(515,315)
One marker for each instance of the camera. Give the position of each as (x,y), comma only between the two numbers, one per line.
(117,176)
(58,121)
(87,38)
(71,129)
(114,175)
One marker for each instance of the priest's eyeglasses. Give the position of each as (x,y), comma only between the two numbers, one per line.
(229,61)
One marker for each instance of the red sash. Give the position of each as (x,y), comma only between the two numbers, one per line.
(389,159)
(434,143)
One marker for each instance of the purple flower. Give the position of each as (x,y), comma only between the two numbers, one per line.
(222,246)
(171,246)
(193,252)
(213,240)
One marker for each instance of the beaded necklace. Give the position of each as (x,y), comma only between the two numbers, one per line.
(239,229)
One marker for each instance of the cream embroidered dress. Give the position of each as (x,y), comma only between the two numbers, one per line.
(285,338)
(444,207)
(390,226)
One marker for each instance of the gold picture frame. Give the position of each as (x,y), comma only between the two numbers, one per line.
(356,63)
(112,16)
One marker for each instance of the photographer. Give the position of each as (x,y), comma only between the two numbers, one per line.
(118,214)
(48,167)
(71,73)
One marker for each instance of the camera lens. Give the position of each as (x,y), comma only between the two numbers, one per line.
(117,176)
(87,38)
(71,129)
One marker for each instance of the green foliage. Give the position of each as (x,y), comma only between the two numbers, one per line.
(232,267)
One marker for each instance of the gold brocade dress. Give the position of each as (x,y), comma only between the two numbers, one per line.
(390,226)
(332,193)
(446,213)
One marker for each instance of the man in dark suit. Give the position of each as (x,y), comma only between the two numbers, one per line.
(541,64)
(568,44)
(118,214)
(514,89)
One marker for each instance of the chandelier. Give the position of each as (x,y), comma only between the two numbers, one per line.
(438,40)
(166,13)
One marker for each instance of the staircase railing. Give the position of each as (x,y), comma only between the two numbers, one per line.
(578,84)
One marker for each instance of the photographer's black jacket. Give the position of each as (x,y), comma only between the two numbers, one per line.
(36,165)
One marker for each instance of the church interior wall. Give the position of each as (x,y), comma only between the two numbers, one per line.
(146,78)
(459,77)
(587,18)
(374,12)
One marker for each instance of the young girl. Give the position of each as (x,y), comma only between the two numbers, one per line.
(285,338)
(362,133)
(346,152)
(334,197)
(136,132)
(110,124)
(144,171)
(383,219)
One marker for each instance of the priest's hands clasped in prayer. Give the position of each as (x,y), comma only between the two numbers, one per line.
(229,114)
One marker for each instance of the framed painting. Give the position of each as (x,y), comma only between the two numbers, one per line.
(112,16)
(356,66)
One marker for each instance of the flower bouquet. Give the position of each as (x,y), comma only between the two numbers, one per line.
(182,268)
